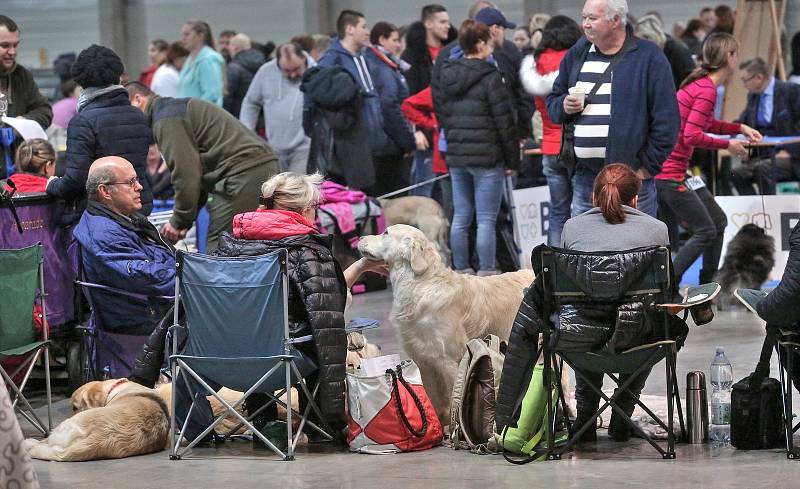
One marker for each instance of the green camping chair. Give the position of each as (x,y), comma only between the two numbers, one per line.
(22,276)
(572,277)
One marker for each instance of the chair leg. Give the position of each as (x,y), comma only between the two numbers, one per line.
(786,378)
(173,443)
(26,410)
(47,388)
(289,438)
(551,417)
(670,407)
(684,435)
(311,396)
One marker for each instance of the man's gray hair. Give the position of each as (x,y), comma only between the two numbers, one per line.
(100,176)
(756,66)
(617,7)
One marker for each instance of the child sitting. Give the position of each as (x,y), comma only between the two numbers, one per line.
(36,162)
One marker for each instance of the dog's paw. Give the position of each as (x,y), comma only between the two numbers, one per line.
(30,443)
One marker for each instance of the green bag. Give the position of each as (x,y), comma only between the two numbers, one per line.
(529,437)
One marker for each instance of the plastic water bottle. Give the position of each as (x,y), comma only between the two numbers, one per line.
(721,382)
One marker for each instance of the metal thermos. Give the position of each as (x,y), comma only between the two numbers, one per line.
(696,407)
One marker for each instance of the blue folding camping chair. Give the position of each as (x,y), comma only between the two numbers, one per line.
(237,336)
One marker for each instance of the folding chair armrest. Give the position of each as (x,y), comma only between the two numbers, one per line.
(648,346)
(115,290)
(360,324)
(300,339)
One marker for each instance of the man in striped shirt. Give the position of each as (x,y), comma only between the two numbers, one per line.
(632,117)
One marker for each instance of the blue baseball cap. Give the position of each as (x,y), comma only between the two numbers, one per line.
(492,16)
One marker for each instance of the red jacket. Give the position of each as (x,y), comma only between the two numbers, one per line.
(27,182)
(270,224)
(147,75)
(418,109)
(549,62)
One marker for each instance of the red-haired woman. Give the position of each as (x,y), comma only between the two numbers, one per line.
(613,224)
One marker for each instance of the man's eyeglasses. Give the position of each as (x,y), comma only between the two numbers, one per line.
(132,183)
(748,80)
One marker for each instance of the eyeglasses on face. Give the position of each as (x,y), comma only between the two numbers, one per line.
(132,183)
(749,79)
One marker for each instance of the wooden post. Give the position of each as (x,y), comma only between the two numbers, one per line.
(757,29)
(776,37)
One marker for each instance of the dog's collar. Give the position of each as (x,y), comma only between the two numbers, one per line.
(116,384)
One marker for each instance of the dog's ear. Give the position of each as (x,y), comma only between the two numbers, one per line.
(417,255)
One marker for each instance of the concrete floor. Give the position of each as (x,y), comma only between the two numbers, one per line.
(604,464)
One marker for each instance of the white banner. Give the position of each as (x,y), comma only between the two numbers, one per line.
(532,208)
(778,215)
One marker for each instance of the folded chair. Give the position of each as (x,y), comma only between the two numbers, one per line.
(22,277)
(577,278)
(237,336)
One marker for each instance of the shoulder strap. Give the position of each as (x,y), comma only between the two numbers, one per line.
(615,60)
(457,399)
(762,368)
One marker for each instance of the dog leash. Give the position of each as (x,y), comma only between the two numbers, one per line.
(412,187)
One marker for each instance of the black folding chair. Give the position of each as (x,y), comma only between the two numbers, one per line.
(788,347)
(578,278)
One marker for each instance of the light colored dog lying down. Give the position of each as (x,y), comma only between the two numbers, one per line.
(113,419)
(436,311)
(116,419)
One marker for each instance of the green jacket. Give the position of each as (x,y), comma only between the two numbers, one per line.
(202,145)
(24,97)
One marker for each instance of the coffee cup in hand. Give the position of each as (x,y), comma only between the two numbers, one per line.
(578,94)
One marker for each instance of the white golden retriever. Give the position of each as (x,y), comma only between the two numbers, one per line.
(436,310)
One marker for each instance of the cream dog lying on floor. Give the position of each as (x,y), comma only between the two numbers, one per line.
(113,419)
(436,310)
(116,419)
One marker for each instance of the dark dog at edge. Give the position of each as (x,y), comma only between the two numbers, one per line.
(748,261)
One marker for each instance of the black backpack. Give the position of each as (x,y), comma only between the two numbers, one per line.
(757,406)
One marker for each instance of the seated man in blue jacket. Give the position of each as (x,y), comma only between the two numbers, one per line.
(121,249)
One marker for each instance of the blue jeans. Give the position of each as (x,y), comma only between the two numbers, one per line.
(422,171)
(476,191)
(560,197)
(583,182)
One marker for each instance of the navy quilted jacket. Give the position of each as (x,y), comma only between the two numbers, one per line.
(107,126)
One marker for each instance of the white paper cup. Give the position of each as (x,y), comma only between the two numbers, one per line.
(579,94)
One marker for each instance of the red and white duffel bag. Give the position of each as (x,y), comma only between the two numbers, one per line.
(391,412)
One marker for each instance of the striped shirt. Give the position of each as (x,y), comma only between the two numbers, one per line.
(591,128)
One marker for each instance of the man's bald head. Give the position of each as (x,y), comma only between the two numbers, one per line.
(291,60)
(102,172)
(112,181)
